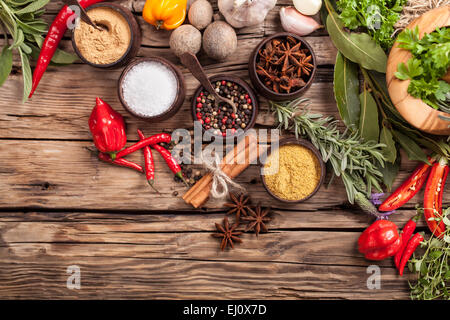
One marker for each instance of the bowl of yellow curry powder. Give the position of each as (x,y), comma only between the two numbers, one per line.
(294,171)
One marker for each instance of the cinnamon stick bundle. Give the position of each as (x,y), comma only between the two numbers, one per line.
(236,161)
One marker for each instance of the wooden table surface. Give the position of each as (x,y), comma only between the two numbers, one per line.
(60,206)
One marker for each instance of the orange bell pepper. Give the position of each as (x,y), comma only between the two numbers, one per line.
(165,14)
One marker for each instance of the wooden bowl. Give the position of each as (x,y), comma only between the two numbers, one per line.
(414,110)
(179,99)
(262,88)
(135,42)
(238,81)
(310,146)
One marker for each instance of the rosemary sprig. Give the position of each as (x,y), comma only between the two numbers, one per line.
(354,160)
(433,267)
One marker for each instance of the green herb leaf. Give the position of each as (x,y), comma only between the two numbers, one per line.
(346,91)
(390,151)
(6,62)
(368,123)
(412,149)
(33,6)
(390,172)
(27,75)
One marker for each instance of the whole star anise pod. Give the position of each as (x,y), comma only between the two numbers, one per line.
(227,233)
(238,205)
(257,220)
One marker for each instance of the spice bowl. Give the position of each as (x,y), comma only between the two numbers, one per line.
(117,54)
(222,119)
(142,83)
(313,152)
(285,85)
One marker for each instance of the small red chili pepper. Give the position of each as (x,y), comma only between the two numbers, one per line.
(171,162)
(149,164)
(406,234)
(409,250)
(157,138)
(120,162)
(53,38)
(408,189)
(434,192)
(380,240)
(107,128)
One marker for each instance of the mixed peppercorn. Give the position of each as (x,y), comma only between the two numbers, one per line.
(222,118)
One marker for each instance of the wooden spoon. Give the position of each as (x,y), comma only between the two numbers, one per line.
(191,62)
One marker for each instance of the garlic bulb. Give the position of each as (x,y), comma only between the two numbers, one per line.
(295,22)
(245,13)
(308,7)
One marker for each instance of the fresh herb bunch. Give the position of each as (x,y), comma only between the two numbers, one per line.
(378,17)
(21,20)
(429,63)
(354,160)
(433,267)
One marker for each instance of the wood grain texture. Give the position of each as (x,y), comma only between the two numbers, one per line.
(60,206)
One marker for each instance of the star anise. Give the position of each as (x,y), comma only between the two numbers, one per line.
(227,233)
(257,220)
(238,205)
(287,83)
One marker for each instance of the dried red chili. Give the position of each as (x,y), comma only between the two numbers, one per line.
(149,164)
(409,250)
(171,161)
(407,232)
(53,38)
(120,162)
(157,138)
(434,192)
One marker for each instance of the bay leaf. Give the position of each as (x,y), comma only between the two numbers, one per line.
(390,172)
(390,151)
(346,91)
(6,63)
(411,148)
(369,128)
(358,47)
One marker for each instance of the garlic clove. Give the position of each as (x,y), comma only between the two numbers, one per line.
(308,7)
(297,23)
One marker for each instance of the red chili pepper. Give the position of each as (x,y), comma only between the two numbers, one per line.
(53,38)
(408,189)
(157,138)
(407,232)
(434,192)
(120,162)
(171,162)
(149,164)
(107,128)
(409,250)
(380,240)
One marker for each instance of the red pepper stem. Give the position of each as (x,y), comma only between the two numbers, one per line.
(179,174)
(112,155)
(151,183)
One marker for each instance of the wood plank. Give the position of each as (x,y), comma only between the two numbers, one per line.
(126,278)
(62,174)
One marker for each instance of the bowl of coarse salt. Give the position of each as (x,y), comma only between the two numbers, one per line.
(152,89)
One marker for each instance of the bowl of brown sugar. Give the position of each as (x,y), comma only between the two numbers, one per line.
(294,171)
(114,43)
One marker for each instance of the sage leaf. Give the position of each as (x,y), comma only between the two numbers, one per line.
(27,75)
(368,122)
(346,91)
(389,151)
(6,62)
(411,148)
(358,47)
(33,6)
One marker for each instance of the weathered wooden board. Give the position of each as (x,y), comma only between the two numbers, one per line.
(60,206)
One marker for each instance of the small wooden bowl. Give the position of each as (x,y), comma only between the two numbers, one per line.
(238,81)
(414,110)
(316,152)
(135,42)
(181,90)
(261,87)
